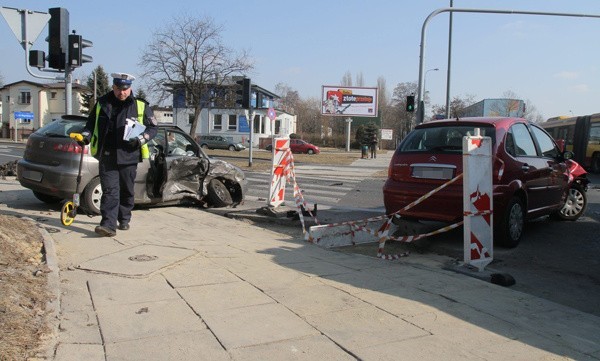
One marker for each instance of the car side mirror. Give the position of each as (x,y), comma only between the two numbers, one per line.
(567,154)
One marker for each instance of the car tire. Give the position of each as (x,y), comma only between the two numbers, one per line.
(310,151)
(574,206)
(204,146)
(510,229)
(218,194)
(595,166)
(91,197)
(232,148)
(46,198)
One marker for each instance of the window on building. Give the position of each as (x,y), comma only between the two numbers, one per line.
(53,95)
(190,118)
(232,125)
(25,97)
(217,122)
(277,126)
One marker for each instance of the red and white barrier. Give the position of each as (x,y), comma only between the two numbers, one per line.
(282,165)
(478,200)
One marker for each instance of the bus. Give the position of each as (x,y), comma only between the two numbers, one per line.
(581,135)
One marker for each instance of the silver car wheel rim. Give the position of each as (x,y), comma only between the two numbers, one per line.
(97,196)
(515,219)
(574,204)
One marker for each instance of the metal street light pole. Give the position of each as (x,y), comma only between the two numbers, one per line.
(425,88)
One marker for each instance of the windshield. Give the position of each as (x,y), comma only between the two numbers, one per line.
(61,128)
(441,139)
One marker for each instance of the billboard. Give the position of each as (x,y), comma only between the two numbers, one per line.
(349,101)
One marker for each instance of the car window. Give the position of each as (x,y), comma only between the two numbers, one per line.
(443,138)
(178,144)
(523,143)
(61,128)
(547,146)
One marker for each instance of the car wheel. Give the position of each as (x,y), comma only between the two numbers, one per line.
(595,168)
(204,146)
(510,229)
(90,200)
(46,198)
(310,151)
(574,204)
(232,148)
(218,194)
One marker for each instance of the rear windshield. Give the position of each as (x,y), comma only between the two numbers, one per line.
(61,128)
(442,138)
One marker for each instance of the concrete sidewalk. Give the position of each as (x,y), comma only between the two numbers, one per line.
(186,284)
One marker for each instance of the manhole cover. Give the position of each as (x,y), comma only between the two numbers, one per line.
(142,258)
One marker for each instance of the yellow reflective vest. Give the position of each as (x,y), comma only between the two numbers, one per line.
(141,107)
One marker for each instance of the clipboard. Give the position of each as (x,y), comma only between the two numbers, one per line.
(133,129)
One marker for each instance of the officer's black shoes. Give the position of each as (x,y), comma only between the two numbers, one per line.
(105,231)
(123,226)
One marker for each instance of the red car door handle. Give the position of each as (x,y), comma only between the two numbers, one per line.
(525,167)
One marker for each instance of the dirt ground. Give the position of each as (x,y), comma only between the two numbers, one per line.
(24,321)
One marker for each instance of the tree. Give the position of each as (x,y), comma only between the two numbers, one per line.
(347,79)
(289,97)
(188,54)
(404,119)
(100,84)
(1,80)
(457,106)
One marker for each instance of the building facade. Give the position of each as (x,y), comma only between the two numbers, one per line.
(28,106)
(496,108)
(233,123)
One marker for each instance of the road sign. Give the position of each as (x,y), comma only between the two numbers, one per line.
(23,115)
(387,134)
(271,114)
(27,25)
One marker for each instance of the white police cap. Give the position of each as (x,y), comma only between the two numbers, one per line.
(122,80)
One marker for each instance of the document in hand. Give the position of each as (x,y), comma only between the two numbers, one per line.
(133,129)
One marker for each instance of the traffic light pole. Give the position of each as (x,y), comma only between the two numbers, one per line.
(420,93)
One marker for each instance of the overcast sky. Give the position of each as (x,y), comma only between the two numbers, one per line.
(551,61)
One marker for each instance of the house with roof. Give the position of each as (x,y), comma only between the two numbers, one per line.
(220,115)
(29,105)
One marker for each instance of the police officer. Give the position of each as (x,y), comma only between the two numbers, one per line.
(118,155)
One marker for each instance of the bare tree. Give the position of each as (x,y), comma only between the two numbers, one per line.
(360,81)
(347,79)
(404,119)
(1,80)
(189,54)
(457,106)
(289,97)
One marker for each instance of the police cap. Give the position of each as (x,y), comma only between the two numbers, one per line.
(122,80)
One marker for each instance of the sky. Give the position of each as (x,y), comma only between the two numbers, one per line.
(551,62)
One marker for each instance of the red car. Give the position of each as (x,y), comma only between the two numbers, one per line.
(300,146)
(531,174)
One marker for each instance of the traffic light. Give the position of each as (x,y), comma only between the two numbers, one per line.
(58,32)
(76,46)
(243,94)
(410,103)
(37,59)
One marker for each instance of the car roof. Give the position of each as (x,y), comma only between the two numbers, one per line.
(497,122)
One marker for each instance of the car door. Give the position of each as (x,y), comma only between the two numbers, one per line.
(185,166)
(530,169)
(551,155)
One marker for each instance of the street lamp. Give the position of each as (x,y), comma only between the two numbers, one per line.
(425,88)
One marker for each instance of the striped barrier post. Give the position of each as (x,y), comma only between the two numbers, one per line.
(280,171)
(477,200)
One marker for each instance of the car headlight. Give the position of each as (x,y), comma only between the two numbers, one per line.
(239,175)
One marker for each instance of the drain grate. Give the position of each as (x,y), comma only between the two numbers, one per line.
(142,258)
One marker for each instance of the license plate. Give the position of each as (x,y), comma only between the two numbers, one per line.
(432,172)
(32,175)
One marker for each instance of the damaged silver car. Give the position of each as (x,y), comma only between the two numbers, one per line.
(178,171)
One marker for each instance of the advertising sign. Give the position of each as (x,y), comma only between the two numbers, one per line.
(349,101)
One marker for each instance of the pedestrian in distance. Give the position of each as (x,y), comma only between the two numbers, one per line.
(373,146)
(118,155)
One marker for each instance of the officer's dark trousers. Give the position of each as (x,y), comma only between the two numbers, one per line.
(117,182)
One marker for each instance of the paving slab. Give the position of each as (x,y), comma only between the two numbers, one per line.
(363,327)
(147,319)
(310,348)
(111,291)
(137,261)
(79,352)
(79,327)
(256,325)
(224,296)
(184,346)
(198,271)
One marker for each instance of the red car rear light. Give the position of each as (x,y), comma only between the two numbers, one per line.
(69,148)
